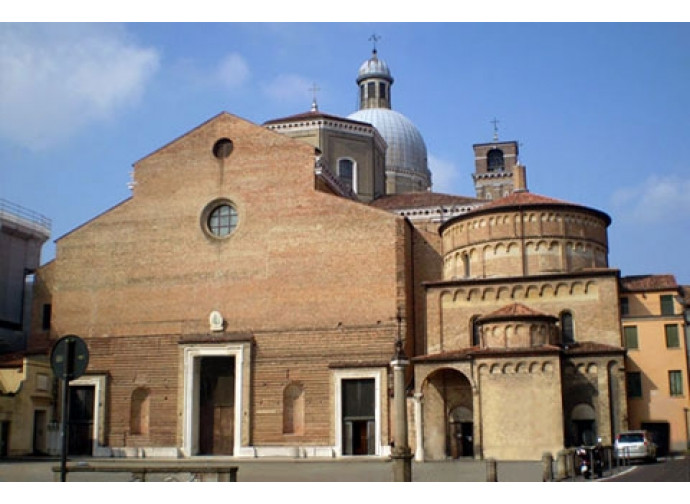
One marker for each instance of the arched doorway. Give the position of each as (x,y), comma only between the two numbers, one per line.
(448,426)
(461,438)
(583,425)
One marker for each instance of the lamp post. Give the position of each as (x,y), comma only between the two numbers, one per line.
(401,453)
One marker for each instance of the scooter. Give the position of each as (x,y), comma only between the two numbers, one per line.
(587,457)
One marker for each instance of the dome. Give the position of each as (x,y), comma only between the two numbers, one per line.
(406,148)
(374,67)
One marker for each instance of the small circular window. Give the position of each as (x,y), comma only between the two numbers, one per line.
(222,148)
(219,219)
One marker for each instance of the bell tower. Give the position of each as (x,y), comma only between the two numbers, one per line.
(494,167)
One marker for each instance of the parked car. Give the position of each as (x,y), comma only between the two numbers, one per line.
(635,445)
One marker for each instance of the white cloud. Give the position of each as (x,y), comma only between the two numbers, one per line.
(56,79)
(288,87)
(446,177)
(233,71)
(659,199)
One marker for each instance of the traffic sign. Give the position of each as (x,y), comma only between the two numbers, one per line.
(69,358)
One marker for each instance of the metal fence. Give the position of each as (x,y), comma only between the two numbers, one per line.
(20,215)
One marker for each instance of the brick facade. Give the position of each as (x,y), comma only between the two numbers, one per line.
(312,280)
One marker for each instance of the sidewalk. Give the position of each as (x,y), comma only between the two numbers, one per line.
(303,470)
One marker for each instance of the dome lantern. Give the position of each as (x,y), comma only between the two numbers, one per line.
(374,80)
(406,155)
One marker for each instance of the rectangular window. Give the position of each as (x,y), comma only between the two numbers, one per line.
(672,340)
(675,383)
(47,314)
(633,382)
(625,306)
(42,382)
(371,90)
(630,337)
(667,304)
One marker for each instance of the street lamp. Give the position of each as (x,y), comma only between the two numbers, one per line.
(401,453)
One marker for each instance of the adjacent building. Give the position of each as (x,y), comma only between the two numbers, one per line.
(26,385)
(27,404)
(654,330)
(22,234)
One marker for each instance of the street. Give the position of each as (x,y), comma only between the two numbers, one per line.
(674,470)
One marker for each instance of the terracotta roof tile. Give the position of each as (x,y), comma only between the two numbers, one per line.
(590,347)
(582,348)
(476,352)
(311,115)
(422,199)
(526,199)
(648,282)
(515,310)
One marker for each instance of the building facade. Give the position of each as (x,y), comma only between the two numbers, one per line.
(524,320)
(27,405)
(225,318)
(654,328)
(26,385)
(352,154)
(246,299)
(22,234)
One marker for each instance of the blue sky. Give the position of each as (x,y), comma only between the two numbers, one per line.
(601,110)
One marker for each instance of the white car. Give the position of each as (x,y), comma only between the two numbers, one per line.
(635,445)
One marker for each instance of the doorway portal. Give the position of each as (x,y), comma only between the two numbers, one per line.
(216,405)
(461,433)
(81,403)
(40,425)
(359,416)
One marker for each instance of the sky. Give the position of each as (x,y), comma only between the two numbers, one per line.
(601,110)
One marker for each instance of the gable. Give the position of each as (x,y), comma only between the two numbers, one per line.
(198,157)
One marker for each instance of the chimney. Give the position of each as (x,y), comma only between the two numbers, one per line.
(519,178)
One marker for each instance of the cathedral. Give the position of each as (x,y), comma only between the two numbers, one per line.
(246,300)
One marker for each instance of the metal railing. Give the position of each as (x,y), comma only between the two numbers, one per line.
(168,471)
(21,215)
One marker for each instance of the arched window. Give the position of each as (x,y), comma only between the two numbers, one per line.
(495,161)
(465,265)
(139,412)
(347,173)
(475,329)
(567,328)
(293,409)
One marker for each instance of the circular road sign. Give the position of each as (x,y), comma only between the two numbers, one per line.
(69,358)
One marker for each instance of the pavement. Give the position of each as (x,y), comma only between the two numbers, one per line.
(285,470)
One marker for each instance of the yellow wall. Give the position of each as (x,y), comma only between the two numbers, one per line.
(654,360)
(24,393)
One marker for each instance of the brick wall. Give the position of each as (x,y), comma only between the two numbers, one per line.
(312,277)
